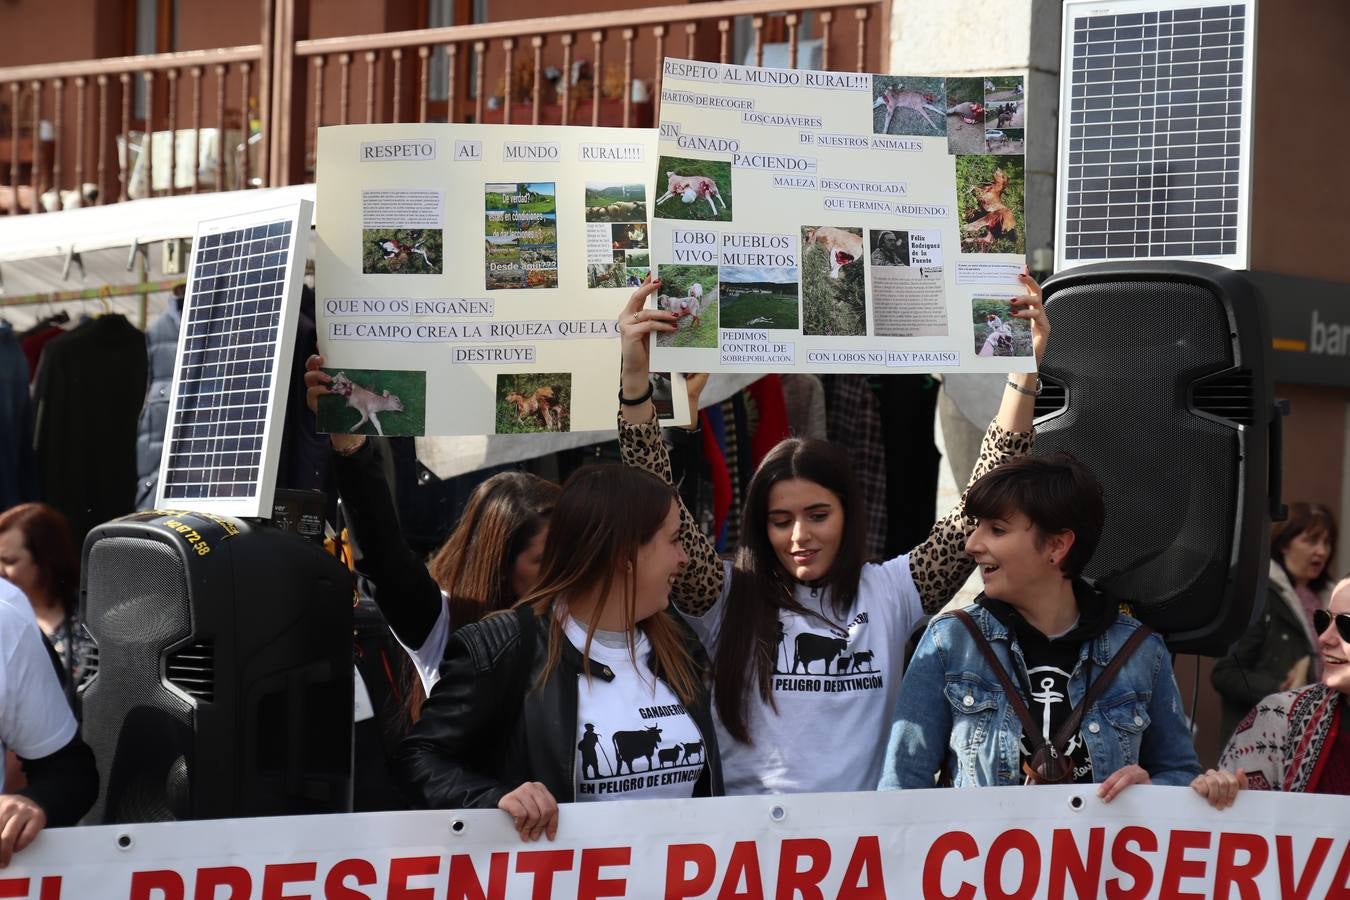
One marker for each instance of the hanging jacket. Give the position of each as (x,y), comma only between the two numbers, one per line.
(89,392)
(772,427)
(34,342)
(161,344)
(1263,656)
(18,472)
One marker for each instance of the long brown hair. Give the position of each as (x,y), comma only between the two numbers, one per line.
(604,515)
(474,565)
(47,536)
(762,588)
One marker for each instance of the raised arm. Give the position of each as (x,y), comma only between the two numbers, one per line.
(700,585)
(403,588)
(940,564)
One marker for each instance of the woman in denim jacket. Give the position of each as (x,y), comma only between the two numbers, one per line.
(1039,520)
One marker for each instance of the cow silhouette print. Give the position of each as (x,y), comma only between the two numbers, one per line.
(829,652)
(628,747)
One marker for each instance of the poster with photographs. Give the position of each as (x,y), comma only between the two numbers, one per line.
(835,222)
(468,277)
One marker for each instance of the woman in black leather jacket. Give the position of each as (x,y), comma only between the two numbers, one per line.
(590,689)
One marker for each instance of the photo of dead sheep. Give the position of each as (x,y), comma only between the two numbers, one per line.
(965,115)
(691,293)
(693,189)
(834,294)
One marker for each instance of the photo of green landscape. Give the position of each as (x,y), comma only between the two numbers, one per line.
(759,297)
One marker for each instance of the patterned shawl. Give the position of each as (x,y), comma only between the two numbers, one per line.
(1280,744)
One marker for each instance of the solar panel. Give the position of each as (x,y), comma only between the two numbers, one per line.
(234,353)
(1154,143)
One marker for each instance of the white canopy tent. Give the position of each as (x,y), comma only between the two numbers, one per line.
(86,248)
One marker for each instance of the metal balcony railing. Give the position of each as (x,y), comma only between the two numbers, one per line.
(108,130)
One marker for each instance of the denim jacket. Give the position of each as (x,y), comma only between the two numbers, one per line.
(953,717)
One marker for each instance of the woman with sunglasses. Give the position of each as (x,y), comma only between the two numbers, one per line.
(1043,680)
(1300,740)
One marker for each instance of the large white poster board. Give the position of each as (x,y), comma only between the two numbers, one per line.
(468,277)
(838,222)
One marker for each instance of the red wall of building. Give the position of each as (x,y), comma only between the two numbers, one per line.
(1302,74)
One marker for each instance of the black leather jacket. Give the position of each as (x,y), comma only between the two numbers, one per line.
(486,728)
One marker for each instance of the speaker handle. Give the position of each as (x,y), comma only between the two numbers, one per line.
(1278,511)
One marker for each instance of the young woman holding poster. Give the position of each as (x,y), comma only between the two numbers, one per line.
(490,560)
(807,638)
(590,689)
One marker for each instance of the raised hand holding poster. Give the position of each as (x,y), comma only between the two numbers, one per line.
(468,277)
(828,221)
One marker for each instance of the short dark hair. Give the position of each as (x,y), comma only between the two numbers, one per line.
(1056,492)
(1312,519)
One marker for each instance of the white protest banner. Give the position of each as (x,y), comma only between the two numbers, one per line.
(1024,843)
(838,222)
(468,277)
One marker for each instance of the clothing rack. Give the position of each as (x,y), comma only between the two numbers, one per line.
(142,289)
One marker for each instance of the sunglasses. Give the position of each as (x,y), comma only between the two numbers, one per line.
(1322,619)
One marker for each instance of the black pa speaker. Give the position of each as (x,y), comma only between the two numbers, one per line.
(1157,377)
(222,684)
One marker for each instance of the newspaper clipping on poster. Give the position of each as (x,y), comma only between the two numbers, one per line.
(469,277)
(839,222)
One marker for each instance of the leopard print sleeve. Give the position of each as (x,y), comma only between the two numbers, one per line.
(940,564)
(698,588)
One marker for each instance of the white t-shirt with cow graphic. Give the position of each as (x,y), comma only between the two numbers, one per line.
(634,738)
(835,682)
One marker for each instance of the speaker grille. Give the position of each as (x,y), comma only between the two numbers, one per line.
(1136,359)
(1228,395)
(1052,398)
(136,606)
(193,670)
(88,663)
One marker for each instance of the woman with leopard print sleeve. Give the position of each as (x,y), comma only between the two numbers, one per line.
(807,639)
